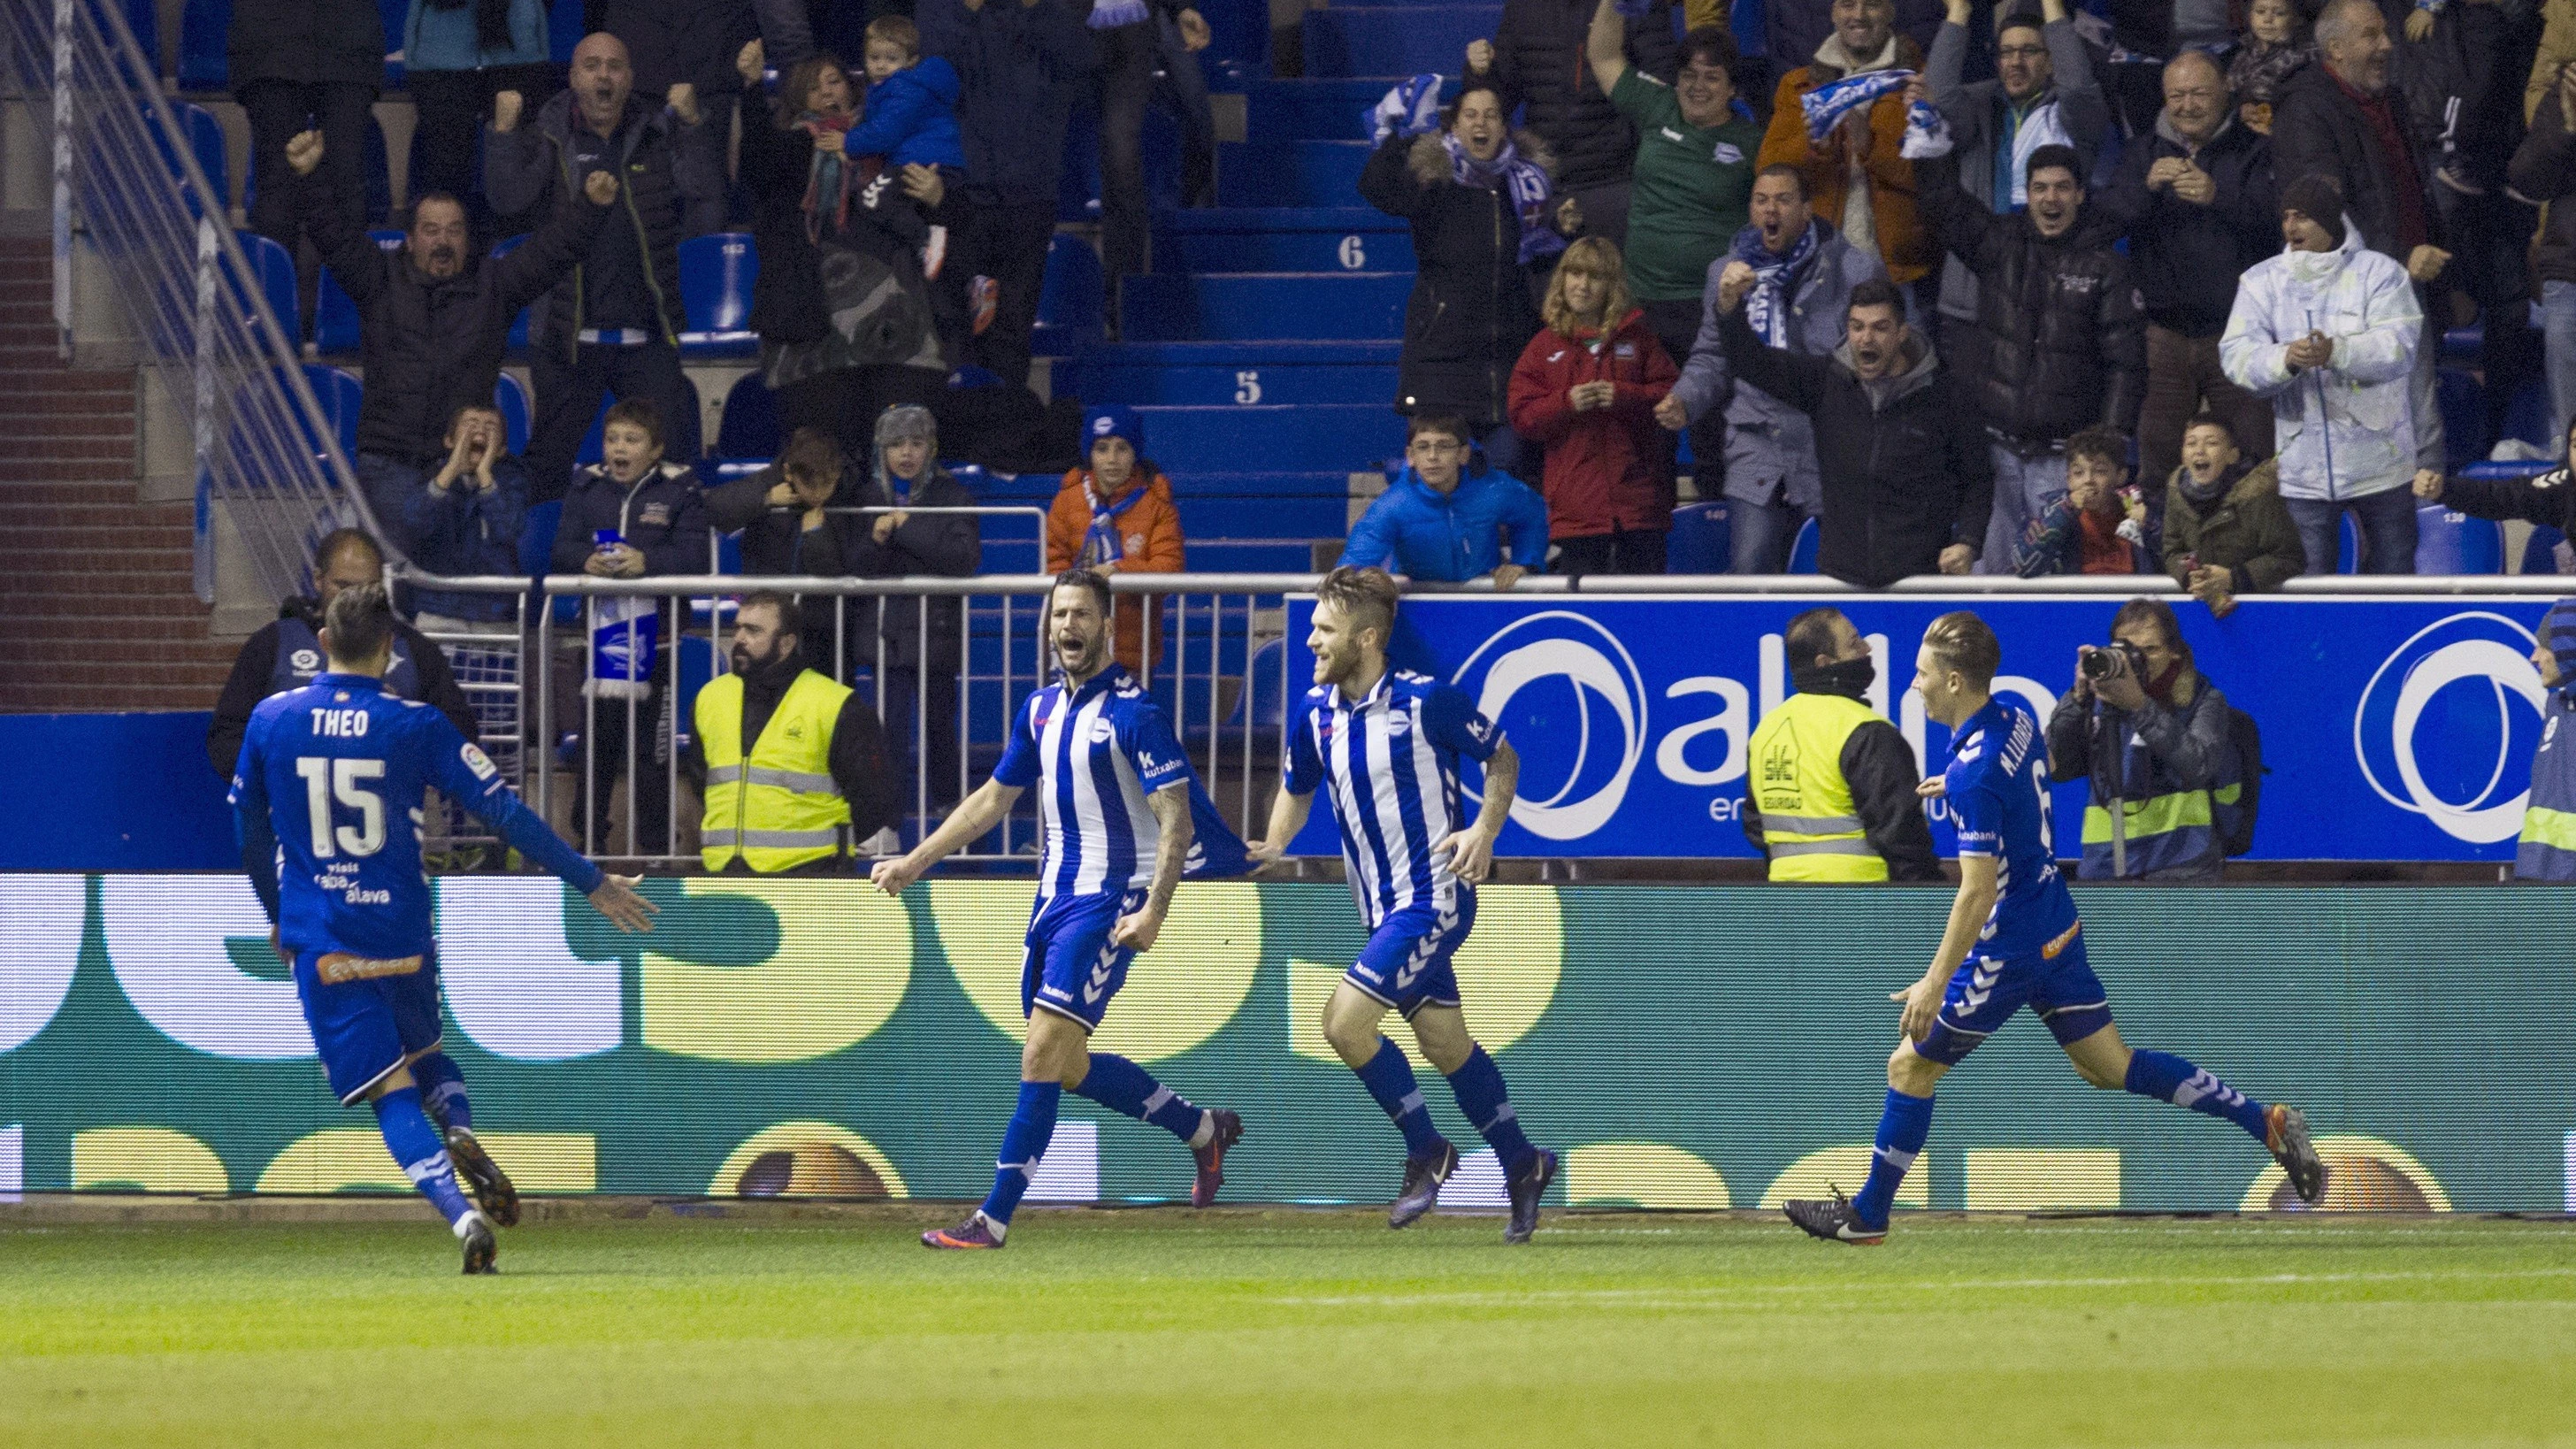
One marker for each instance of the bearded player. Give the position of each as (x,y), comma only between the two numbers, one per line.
(1384,744)
(2013,941)
(1123,820)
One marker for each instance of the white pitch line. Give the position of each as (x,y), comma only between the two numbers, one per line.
(1687,1296)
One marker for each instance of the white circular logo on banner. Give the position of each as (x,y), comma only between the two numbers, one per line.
(2476,649)
(1610,714)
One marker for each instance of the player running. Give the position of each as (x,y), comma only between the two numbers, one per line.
(1386,744)
(1123,821)
(337,770)
(2013,941)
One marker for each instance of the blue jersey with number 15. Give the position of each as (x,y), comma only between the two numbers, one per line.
(1997,787)
(338,769)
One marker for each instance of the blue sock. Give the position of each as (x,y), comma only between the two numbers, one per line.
(1902,1126)
(2168,1078)
(442,1089)
(1478,1085)
(416,1145)
(1023,1143)
(1389,1078)
(1126,1088)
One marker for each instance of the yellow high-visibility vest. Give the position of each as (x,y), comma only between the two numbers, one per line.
(1808,819)
(779,808)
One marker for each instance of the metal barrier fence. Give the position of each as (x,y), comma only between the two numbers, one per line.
(129,194)
(1217,658)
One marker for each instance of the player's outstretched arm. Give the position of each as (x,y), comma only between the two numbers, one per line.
(1171,806)
(1288,811)
(625,908)
(1471,851)
(1968,911)
(975,816)
(465,772)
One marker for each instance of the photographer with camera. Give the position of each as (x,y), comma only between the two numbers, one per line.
(2157,743)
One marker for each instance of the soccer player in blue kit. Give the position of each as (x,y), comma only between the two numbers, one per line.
(1123,821)
(2013,941)
(337,770)
(1384,744)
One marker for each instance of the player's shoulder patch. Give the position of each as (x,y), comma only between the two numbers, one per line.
(406,703)
(479,762)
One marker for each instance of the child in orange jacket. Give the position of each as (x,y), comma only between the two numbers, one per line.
(1118,516)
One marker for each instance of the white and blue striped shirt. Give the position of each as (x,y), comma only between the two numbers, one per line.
(1094,754)
(1389,764)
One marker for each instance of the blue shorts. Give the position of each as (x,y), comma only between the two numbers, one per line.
(1070,968)
(2056,982)
(367,1017)
(1407,963)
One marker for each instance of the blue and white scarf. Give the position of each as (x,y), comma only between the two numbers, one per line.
(1110,14)
(1766,307)
(1528,190)
(1100,542)
(1827,104)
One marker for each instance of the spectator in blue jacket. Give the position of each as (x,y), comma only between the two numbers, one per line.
(466,520)
(456,58)
(1439,523)
(1019,61)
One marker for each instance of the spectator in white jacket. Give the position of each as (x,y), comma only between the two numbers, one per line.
(2328,330)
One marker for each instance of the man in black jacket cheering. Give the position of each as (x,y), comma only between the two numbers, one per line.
(2198,201)
(1537,59)
(613,326)
(2059,343)
(431,320)
(1903,466)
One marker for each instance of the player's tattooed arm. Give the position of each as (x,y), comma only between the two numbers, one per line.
(1471,851)
(1171,806)
(989,806)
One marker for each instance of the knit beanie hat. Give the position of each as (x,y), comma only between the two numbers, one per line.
(1111,420)
(2558,635)
(2319,200)
(906,421)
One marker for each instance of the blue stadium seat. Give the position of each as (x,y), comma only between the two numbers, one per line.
(2454,543)
(1070,304)
(341,397)
(335,317)
(202,28)
(518,324)
(749,427)
(716,276)
(396,14)
(1701,541)
(273,273)
(512,400)
(203,136)
(1802,553)
(564,29)
(143,17)
(537,537)
(2540,551)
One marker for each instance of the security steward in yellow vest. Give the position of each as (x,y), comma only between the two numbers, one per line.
(792,766)
(1831,790)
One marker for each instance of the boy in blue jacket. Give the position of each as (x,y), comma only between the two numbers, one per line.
(1440,523)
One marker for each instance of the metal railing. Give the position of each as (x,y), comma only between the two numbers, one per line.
(129,196)
(1216,645)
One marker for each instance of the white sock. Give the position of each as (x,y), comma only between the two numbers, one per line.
(1206,1132)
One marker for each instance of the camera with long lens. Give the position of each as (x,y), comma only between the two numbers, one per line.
(2113,660)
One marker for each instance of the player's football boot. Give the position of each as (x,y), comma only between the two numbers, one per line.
(2285,1132)
(481,1247)
(975,1232)
(1527,1186)
(1422,1179)
(1228,1131)
(492,1189)
(1835,1222)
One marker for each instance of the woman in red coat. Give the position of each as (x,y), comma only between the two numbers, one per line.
(1585,389)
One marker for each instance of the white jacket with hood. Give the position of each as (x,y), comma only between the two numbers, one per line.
(2344,430)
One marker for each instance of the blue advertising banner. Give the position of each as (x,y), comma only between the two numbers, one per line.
(2393,729)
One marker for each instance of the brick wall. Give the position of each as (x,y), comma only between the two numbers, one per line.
(97,610)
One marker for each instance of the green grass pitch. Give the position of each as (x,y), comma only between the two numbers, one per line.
(1252,1327)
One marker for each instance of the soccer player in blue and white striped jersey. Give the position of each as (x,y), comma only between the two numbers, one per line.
(1123,821)
(1384,745)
